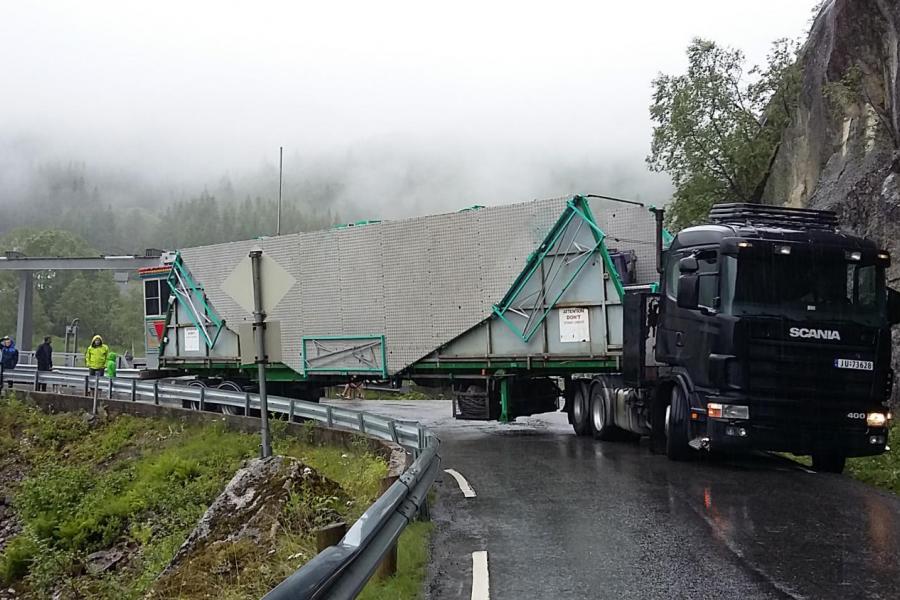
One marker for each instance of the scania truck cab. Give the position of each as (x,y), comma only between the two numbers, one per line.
(772,332)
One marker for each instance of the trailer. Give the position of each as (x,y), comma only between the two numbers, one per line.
(518,307)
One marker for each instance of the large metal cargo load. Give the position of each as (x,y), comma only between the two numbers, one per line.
(537,285)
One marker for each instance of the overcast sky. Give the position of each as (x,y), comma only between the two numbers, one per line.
(502,90)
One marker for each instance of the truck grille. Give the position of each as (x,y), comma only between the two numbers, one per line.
(798,382)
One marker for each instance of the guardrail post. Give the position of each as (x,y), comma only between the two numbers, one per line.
(247,404)
(388,565)
(362,422)
(96,393)
(37,375)
(329,415)
(330,535)
(156,393)
(202,398)
(392,427)
(87,386)
(134,390)
(109,392)
(291,413)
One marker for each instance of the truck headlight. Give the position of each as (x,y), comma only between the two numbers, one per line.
(727,411)
(876,419)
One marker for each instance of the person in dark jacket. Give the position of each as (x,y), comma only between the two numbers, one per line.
(44,356)
(9,355)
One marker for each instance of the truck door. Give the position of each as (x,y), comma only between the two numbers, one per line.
(687,336)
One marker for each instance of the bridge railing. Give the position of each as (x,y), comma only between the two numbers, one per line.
(340,571)
(68,359)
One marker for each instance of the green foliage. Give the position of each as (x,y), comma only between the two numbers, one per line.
(717,127)
(142,484)
(882,471)
(412,561)
(17,559)
(60,296)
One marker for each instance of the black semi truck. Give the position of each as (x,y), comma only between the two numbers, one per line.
(766,329)
(770,330)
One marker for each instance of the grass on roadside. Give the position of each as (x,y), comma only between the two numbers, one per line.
(882,471)
(139,485)
(412,560)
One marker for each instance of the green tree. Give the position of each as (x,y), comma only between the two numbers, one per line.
(91,300)
(718,126)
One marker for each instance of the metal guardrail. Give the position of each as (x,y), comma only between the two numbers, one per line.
(340,571)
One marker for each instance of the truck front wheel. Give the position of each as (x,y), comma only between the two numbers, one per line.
(827,462)
(677,433)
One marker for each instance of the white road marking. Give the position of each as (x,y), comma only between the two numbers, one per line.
(467,490)
(481,586)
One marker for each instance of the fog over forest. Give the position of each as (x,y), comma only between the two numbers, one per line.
(134,126)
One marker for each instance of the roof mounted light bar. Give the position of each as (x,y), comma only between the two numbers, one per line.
(762,214)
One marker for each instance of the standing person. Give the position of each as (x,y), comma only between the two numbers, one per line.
(111,365)
(95,356)
(44,356)
(9,355)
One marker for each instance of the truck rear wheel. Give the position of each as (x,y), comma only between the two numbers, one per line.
(601,413)
(677,432)
(827,462)
(581,415)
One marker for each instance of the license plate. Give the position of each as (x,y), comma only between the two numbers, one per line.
(858,365)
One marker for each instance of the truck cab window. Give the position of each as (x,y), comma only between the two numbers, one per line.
(709,280)
(672,274)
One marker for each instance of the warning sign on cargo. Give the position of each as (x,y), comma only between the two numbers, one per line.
(191,340)
(574,325)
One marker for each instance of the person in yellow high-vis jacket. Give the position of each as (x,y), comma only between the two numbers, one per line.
(95,356)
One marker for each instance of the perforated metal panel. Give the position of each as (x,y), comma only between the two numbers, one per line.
(420,282)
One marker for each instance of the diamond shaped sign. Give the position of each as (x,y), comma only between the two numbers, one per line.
(276,282)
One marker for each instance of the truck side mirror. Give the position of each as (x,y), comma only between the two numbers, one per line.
(689,291)
(688,264)
(893,306)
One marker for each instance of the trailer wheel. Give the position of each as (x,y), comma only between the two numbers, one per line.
(677,436)
(228,409)
(828,462)
(581,416)
(194,404)
(601,413)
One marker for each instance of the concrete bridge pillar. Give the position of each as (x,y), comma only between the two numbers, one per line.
(24,323)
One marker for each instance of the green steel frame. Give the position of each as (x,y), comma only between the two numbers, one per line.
(192,296)
(576,209)
(307,368)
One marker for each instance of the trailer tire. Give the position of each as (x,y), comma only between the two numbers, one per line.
(828,462)
(231,386)
(194,404)
(581,416)
(602,425)
(677,426)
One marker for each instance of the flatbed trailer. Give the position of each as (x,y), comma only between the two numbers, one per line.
(516,307)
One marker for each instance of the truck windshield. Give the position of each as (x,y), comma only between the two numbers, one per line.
(804,289)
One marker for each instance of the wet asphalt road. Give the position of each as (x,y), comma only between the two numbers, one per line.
(567,517)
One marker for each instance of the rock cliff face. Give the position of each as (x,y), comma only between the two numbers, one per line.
(842,150)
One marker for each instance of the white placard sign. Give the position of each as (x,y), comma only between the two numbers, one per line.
(191,340)
(574,325)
